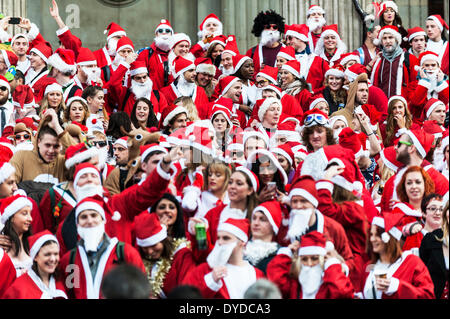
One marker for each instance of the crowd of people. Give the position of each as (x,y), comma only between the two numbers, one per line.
(297,170)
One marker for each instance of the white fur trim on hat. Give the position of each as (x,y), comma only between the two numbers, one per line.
(241,62)
(378,221)
(89,206)
(432,57)
(6,171)
(297,35)
(5,83)
(416,143)
(304,193)
(121,142)
(335,72)
(38,244)
(248,134)
(85,171)
(40,54)
(282,152)
(395,232)
(407,210)
(14,207)
(350,57)
(314,9)
(416,34)
(181,72)
(82,156)
(266,212)
(317,101)
(76,98)
(138,71)
(206,68)
(265,106)
(388,163)
(116,34)
(153,240)
(396,34)
(225,89)
(58,63)
(285,56)
(175,112)
(312,250)
(291,70)
(433,107)
(250,175)
(153,149)
(436,20)
(236,231)
(55,87)
(398,97)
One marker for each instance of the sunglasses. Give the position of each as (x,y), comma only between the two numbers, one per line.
(100,143)
(164,31)
(271,26)
(317,119)
(262,82)
(3,88)
(26,136)
(403,142)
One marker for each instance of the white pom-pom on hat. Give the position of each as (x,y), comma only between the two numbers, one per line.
(385,237)
(116,216)
(329,246)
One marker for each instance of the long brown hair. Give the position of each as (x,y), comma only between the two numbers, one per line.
(392,248)
(309,130)
(67,112)
(428,183)
(252,200)
(391,126)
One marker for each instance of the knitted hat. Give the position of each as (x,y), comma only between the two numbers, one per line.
(36,242)
(64,61)
(149,230)
(90,203)
(77,154)
(305,186)
(237,227)
(272,210)
(313,243)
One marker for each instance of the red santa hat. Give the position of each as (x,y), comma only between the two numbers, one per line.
(86,57)
(313,243)
(220,39)
(391,223)
(7,150)
(231,46)
(273,88)
(125,43)
(315,117)
(23,97)
(169,113)
(315,8)
(84,129)
(431,106)
(421,140)
(53,87)
(335,118)
(138,67)
(180,37)
(439,21)
(225,111)
(182,65)
(398,98)
(210,18)
(287,128)
(388,4)
(286,151)
(10,57)
(305,186)
(150,148)
(6,170)
(43,50)
(293,67)
(371,112)
(391,29)
(95,203)
(79,153)
(353,71)
(84,168)
(114,30)
(225,84)
(317,99)
(64,61)
(415,32)
(300,150)
(287,53)
(264,105)
(299,31)
(204,65)
(350,56)
(274,161)
(336,71)
(199,135)
(38,240)
(237,227)
(19,35)
(149,230)
(270,73)
(4,82)
(123,141)
(349,178)
(427,56)
(272,211)
(11,205)
(389,157)
(331,29)
(164,24)
(252,176)
(433,128)
(239,60)
(352,141)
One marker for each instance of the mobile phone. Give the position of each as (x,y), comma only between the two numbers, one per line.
(271,186)
(14,20)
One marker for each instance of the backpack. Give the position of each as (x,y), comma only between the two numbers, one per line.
(35,190)
(120,252)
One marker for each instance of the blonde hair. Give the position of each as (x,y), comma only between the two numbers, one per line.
(445,226)
(189,104)
(296,266)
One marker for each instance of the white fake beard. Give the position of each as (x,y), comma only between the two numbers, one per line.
(186,88)
(313,25)
(224,71)
(88,191)
(142,89)
(102,157)
(298,222)
(310,278)
(256,250)
(92,236)
(117,60)
(93,74)
(269,37)
(220,254)
(163,43)
(112,46)
(432,76)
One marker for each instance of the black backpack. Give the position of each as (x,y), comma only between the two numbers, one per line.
(120,252)
(35,190)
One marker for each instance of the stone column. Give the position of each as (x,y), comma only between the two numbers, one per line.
(13,8)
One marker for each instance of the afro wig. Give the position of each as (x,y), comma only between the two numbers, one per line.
(265,18)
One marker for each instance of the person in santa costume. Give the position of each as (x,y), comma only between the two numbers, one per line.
(268,25)
(106,55)
(179,46)
(172,118)
(225,126)
(334,92)
(94,248)
(138,85)
(20,46)
(435,111)
(286,158)
(40,281)
(53,98)
(394,71)
(210,28)
(411,150)
(9,58)
(388,15)
(330,46)
(315,20)
(317,273)
(394,274)
(184,85)
(437,39)
(269,114)
(226,58)
(8,272)
(225,274)
(36,76)
(317,131)
(156,56)
(167,260)
(417,38)
(244,70)
(205,75)
(292,83)
(87,71)
(214,54)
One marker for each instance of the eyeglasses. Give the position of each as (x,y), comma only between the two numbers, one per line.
(289,37)
(26,136)
(3,88)
(164,31)
(100,143)
(434,209)
(262,82)
(271,26)
(317,119)
(399,144)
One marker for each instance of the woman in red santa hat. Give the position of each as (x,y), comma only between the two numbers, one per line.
(242,188)
(395,274)
(330,46)
(334,92)
(268,116)
(224,122)
(225,274)
(285,157)
(42,280)
(167,260)
(437,32)
(388,14)
(293,84)
(76,111)
(53,98)
(305,270)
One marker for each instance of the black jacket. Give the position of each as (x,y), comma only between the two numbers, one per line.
(433,257)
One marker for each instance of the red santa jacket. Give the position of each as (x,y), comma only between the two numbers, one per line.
(124,98)
(390,192)
(103,57)
(422,94)
(39,83)
(353,218)
(7,271)
(335,284)
(30,286)
(89,287)
(201,277)
(316,73)
(410,279)
(155,65)
(199,97)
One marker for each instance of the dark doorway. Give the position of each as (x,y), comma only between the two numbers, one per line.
(436,7)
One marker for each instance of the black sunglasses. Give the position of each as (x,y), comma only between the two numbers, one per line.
(26,136)
(273,26)
(3,88)
(164,31)
(100,143)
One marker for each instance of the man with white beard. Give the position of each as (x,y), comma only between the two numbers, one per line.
(268,25)
(155,57)
(315,275)
(106,55)
(87,71)
(225,274)
(315,22)
(210,27)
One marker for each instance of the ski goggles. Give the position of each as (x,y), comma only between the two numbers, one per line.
(316,119)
